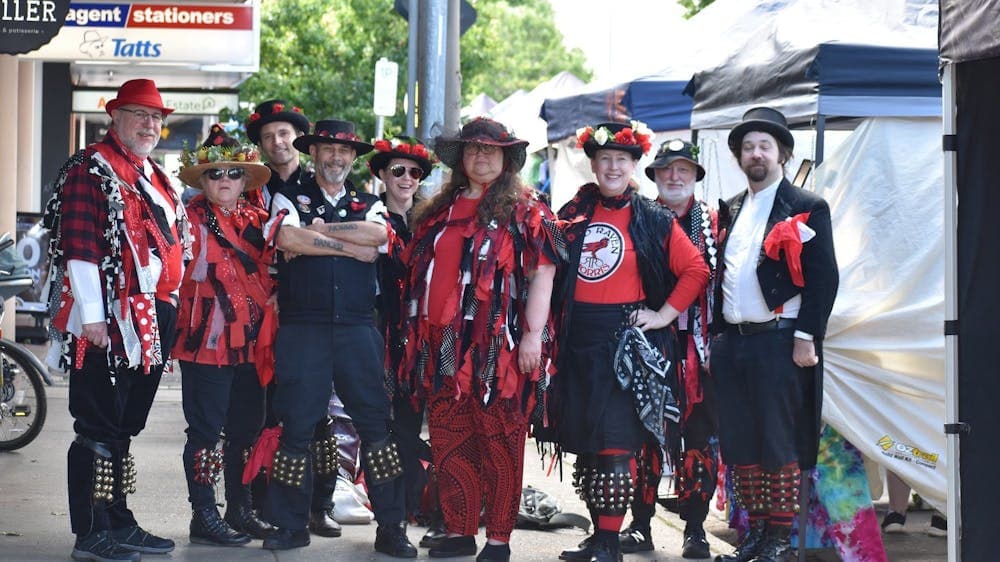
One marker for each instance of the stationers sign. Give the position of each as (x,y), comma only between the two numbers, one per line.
(26,25)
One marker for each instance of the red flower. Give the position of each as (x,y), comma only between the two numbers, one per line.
(278,107)
(357,206)
(297,109)
(420,151)
(504,135)
(254,116)
(404,149)
(383,145)
(217,140)
(584,137)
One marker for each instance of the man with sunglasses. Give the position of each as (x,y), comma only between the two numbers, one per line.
(331,235)
(119,234)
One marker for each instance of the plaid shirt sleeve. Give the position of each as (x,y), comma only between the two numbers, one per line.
(84,215)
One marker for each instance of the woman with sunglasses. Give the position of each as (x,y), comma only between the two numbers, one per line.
(401,163)
(478,332)
(224,299)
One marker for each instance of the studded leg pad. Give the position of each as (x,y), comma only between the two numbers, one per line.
(382,462)
(784,494)
(103,488)
(325,455)
(606,484)
(751,489)
(208,466)
(289,469)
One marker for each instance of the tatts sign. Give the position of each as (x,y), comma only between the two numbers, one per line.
(158,33)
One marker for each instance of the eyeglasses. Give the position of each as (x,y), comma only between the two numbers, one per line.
(217,173)
(479,148)
(398,170)
(144,115)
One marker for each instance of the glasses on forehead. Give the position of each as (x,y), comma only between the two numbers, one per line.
(217,173)
(398,170)
(144,115)
(480,148)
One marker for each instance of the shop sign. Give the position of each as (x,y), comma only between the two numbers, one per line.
(192,103)
(26,25)
(160,33)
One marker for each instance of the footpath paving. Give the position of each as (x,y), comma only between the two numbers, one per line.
(34,522)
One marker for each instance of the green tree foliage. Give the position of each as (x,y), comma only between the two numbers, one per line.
(692,7)
(321,54)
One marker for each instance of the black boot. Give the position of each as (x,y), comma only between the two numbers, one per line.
(695,543)
(436,532)
(583,551)
(244,520)
(750,545)
(208,528)
(323,524)
(635,539)
(494,553)
(606,549)
(392,540)
(453,547)
(776,547)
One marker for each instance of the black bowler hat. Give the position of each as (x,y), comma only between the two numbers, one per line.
(671,150)
(763,119)
(333,131)
(275,110)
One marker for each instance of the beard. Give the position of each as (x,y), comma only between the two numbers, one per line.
(332,176)
(756,171)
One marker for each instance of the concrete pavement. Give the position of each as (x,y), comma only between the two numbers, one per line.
(34,523)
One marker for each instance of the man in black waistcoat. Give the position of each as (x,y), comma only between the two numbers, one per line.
(274,126)
(776,283)
(331,236)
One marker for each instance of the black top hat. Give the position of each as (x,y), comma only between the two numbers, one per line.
(671,150)
(271,111)
(401,146)
(762,119)
(333,131)
(634,138)
(483,131)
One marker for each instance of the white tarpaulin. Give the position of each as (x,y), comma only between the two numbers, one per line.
(884,351)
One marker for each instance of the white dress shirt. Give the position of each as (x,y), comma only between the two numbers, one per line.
(742,298)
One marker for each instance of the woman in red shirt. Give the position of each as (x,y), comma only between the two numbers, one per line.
(630,265)
(223,300)
(478,330)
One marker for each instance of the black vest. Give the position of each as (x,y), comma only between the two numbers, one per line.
(327,289)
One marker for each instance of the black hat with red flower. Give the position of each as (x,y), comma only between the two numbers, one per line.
(271,111)
(634,138)
(481,130)
(333,131)
(401,146)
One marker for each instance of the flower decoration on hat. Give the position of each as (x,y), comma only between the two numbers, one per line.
(404,146)
(637,134)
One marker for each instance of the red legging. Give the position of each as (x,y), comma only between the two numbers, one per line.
(477,449)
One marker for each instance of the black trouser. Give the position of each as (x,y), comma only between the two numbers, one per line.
(109,407)
(406,426)
(308,357)
(761,397)
(214,398)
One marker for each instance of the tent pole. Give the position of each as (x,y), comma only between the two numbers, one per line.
(948,91)
(820,140)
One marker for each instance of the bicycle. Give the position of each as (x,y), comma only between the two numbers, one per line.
(23,378)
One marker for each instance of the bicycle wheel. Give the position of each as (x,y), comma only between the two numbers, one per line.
(22,397)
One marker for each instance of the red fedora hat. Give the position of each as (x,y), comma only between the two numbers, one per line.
(140,92)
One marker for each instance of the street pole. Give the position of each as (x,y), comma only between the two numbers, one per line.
(411,69)
(453,71)
(431,79)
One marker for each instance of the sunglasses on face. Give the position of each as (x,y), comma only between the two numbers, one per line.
(478,148)
(398,170)
(217,173)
